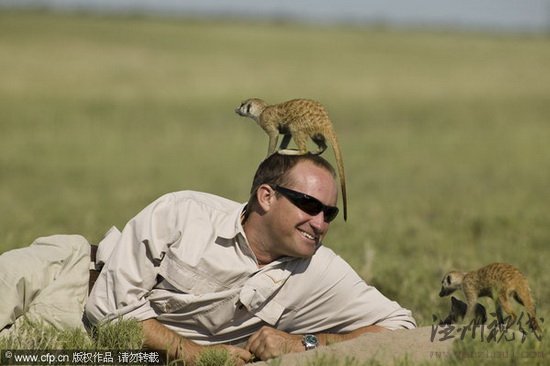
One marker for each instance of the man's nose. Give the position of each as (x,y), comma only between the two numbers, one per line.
(319,224)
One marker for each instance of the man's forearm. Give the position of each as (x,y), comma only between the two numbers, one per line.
(158,337)
(330,338)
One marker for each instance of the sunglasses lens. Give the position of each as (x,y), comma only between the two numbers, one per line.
(310,205)
(330,213)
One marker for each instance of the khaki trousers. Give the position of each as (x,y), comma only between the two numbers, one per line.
(46,281)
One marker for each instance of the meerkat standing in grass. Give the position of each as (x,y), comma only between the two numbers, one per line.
(299,119)
(499,281)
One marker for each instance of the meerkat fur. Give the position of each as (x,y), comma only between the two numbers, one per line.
(499,281)
(300,119)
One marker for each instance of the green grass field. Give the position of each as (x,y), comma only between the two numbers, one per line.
(445,136)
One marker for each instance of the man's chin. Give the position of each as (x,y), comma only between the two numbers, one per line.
(308,250)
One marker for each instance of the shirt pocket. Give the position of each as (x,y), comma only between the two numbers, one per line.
(212,311)
(188,279)
(221,313)
(215,305)
(193,294)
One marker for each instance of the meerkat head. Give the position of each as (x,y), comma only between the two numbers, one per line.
(252,108)
(451,282)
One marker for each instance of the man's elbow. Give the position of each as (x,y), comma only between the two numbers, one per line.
(93,312)
(402,319)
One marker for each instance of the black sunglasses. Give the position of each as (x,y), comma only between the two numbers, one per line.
(310,205)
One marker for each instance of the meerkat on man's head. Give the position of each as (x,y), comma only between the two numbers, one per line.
(500,282)
(301,119)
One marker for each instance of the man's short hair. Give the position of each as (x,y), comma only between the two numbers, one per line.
(274,170)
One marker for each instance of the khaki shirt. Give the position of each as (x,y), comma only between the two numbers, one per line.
(185,261)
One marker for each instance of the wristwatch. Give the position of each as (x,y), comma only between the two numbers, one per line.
(310,341)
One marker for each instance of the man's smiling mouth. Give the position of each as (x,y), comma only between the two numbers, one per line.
(307,235)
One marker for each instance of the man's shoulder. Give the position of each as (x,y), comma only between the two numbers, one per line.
(324,254)
(322,263)
(315,278)
(206,211)
(207,200)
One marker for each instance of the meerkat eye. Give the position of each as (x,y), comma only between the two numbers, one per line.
(448,280)
(248,108)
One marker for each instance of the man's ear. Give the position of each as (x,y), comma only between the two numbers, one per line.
(265,195)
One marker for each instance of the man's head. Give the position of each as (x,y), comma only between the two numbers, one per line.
(274,171)
(293,199)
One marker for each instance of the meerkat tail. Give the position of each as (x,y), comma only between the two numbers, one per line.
(340,165)
(526,299)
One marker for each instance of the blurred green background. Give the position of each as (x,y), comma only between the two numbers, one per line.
(445,135)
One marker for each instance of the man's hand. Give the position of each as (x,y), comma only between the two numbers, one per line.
(270,342)
(237,354)
(159,337)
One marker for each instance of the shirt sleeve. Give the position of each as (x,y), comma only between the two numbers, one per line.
(131,271)
(338,300)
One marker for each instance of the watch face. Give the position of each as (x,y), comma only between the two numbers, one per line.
(310,341)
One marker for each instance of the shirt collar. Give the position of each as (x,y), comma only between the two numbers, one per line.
(230,226)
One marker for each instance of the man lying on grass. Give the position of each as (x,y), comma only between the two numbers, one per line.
(254,279)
